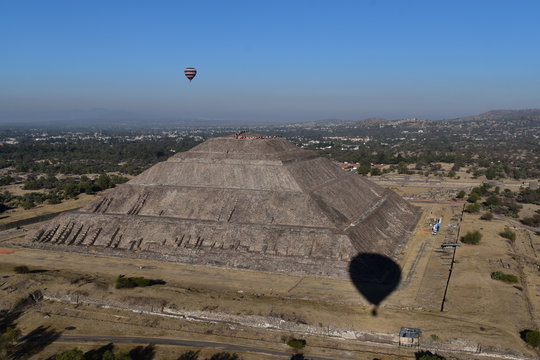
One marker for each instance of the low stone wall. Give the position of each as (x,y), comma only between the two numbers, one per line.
(270,323)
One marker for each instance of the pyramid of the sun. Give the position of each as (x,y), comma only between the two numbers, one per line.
(256,203)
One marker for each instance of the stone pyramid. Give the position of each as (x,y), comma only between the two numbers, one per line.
(250,202)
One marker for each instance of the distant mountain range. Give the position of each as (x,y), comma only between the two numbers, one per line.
(498,115)
(492,115)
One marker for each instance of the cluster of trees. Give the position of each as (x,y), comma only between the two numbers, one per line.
(57,190)
(425,155)
(90,156)
(505,203)
(492,200)
(73,186)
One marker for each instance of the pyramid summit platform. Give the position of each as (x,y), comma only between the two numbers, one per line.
(244,201)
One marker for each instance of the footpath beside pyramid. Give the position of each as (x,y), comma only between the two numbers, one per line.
(250,202)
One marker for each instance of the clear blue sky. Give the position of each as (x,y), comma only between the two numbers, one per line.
(268,60)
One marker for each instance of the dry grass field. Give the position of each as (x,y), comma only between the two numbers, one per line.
(479,312)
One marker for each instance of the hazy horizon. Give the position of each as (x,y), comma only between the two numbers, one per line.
(266,62)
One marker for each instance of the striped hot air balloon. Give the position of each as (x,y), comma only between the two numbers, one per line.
(190,73)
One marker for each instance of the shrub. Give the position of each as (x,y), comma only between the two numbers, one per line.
(472,208)
(225,356)
(507,278)
(508,234)
(73,354)
(532,221)
(22,269)
(190,355)
(297,343)
(532,337)
(474,197)
(461,194)
(472,237)
(123,282)
(487,216)
(493,200)
(428,355)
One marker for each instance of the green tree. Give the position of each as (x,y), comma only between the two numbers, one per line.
(493,200)
(364,169)
(375,171)
(474,197)
(104,182)
(461,194)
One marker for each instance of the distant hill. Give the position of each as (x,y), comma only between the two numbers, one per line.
(500,115)
(373,121)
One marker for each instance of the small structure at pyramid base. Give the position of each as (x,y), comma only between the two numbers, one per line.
(243,201)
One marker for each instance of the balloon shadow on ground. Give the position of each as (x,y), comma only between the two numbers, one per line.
(375,276)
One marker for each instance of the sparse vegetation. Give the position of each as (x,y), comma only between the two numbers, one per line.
(507,278)
(508,234)
(22,269)
(533,221)
(472,237)
(487,216)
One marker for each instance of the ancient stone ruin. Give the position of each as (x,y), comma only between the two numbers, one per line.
(250,202)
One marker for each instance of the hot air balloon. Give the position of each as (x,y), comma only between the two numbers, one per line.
(190,73)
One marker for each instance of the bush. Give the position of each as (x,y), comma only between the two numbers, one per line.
(487,216)
(533,221)
(474,197)
(508,234)
(73,354)
(507,278)
(225,356)
(472,237)
(472,208)
(461,194)
(22,269)
(532,337)
(297,343)
(190,355)
(428,355)
(123,282)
